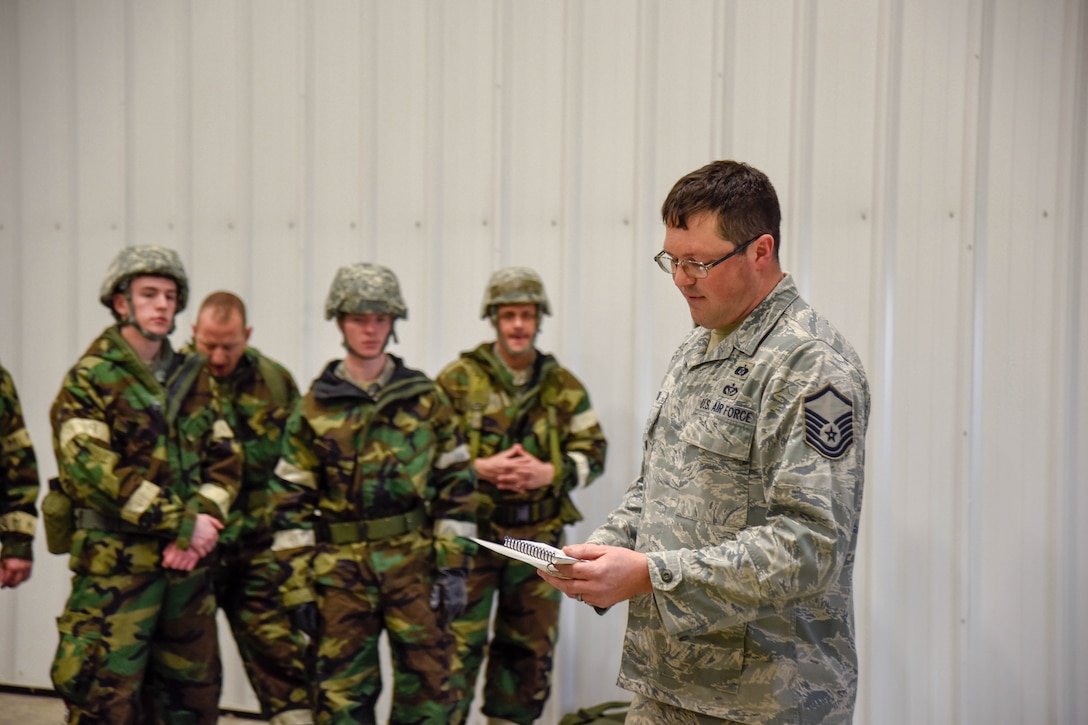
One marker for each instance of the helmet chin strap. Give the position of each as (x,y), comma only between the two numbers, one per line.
(529,351)
(359,356)
(130,320)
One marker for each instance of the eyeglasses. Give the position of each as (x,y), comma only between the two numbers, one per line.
(693,269)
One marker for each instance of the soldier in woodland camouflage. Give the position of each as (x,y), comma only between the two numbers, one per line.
(258,395)
(534,438)
(374,514)
(735,544)
(149,469)
(19,486)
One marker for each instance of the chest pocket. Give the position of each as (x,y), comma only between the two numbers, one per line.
(727,433)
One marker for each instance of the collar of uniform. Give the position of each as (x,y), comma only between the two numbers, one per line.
(759,321)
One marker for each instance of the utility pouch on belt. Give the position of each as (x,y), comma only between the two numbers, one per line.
(58,519)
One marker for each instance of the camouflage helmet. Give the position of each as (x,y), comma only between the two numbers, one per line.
(144,260)
(365,288)
(514,286)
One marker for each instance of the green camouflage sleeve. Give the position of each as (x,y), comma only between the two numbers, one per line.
(211,455)
(114,471)
(19,482)
(293,498)
(454,481)
(583,443)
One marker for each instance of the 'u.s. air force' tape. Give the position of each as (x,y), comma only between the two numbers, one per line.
(829,422)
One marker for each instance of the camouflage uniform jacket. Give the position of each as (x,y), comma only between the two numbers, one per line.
(256,407)
(18,476)
(143,456)
(349,457)
(747,507)
(552,419)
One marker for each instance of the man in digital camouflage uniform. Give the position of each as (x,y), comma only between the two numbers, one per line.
(735,545)
(150,468)
(376,508)
(534,438)
(257,395)
(19,485)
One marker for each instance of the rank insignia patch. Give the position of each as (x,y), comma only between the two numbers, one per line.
(829,422)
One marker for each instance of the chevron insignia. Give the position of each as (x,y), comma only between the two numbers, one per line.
(829,422)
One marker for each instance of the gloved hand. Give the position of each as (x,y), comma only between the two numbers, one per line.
(305,618)
(449,595)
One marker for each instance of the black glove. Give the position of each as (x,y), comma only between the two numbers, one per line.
(449,595)
(304,618)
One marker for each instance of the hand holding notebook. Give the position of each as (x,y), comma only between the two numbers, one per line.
(542,556)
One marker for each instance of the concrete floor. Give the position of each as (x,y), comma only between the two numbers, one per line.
(46,709)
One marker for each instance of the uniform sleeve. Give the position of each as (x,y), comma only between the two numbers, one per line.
(19,482)
(454,481)
(582,441)
(621,527)
(221,461)
(293,498)
(812,494)
(96,469)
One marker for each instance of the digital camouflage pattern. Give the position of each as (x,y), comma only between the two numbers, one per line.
(514,285)
(143,260)
(353,456)
(552,418)
(257,399)
(143,457)
(19,482)
(748,524)
(365,288)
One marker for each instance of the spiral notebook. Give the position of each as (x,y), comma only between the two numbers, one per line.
(542,556)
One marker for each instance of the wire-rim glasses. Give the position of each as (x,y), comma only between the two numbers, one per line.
(693,269)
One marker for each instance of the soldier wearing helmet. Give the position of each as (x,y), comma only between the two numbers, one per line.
(374,510)
(534,438)
(148,469)
(132,265)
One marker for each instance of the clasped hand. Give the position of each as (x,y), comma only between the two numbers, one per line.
(515,469)
(205,537)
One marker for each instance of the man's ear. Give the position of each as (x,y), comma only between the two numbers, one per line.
(765,249)
(120,305)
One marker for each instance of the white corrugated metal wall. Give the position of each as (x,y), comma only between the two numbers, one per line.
(930,157)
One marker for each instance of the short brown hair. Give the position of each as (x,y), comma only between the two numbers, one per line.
(741,196)
(222,304)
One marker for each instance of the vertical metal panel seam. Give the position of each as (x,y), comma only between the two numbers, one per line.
(646,135)
(975,668)
(185,169)
(1071,658)
(72,102)
(307,188)
(722,93)
(501,135)
(127,162)
(966,352)
(881,553)
(16,222)
(243,122)
(802,138)
(572,137)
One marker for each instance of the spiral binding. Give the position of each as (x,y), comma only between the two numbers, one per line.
(532,548)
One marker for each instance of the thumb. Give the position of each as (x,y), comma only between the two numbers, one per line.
(585,551)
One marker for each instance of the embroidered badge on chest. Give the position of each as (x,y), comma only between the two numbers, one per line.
(829,422)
